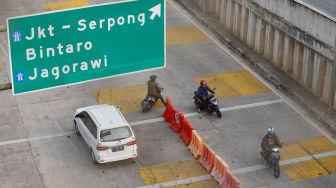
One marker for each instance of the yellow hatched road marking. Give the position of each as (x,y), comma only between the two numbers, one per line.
(329,163)
(306,147)
(240,83)
(66,4)
(124,97)
(199,184)
(171,171)
(292,151)
(317,145)
(185,35)
(310,168)
(304,170)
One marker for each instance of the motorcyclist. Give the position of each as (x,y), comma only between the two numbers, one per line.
(203,92)
(270,139)
(154,90)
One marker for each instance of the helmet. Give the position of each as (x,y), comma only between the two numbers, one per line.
(203,82)
(153,77)
(270,131)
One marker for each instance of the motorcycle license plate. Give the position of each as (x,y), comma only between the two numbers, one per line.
(117,148)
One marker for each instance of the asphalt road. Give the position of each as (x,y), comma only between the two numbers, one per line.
(38,147)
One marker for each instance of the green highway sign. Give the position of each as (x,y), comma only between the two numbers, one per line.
(73,46)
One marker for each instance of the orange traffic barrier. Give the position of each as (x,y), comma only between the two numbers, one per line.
(230,181)
(186,131)
(219,171)
(167,112)
(175,123)
(196,145)
(223,175)
(207,158)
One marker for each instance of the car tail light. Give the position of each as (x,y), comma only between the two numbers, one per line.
(131,143)
(102,148)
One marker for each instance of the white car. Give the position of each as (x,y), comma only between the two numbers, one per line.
(106,132)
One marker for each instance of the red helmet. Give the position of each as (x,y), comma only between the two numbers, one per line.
(203,82)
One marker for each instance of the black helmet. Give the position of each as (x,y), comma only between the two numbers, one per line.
(153,77)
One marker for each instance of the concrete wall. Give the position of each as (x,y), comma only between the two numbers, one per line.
(293,37)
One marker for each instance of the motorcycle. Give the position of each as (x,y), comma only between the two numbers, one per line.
(211,103)
(149,102)
(273,159)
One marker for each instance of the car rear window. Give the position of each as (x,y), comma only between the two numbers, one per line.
(115,134)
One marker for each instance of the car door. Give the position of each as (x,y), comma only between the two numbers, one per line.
(92,133)
(81,120)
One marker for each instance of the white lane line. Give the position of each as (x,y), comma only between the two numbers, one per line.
(288,101)
(241,170)
(178,182)
(328,154)
(13,141)
(244,106)
(148,121)
(35,138)
(144,122)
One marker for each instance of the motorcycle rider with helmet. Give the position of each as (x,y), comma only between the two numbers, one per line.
(202,92)
(269,139)
(153,89)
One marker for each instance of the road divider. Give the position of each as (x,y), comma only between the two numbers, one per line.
(213,164)
(186,131)
(207,158)
(196,145)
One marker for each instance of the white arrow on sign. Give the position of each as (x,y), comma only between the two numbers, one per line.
(155,11)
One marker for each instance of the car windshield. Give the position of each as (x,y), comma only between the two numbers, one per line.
(115,134)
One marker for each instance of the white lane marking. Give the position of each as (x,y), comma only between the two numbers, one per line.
(296,160)
(288,101)
(35,138)
(327,154)
(178,182)
(13,141)
(240,170)
(143,122)
(251,105)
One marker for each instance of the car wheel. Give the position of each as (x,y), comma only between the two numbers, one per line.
(76,129)
(92,156)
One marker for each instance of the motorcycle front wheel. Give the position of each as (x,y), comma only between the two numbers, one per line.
(218,113)
(276,170)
